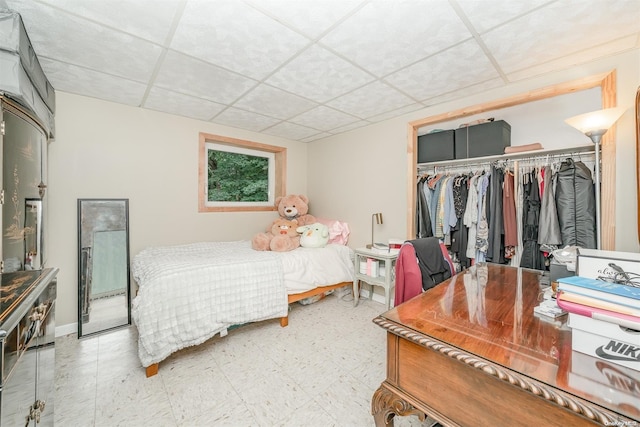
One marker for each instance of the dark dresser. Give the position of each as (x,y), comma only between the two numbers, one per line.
(27,340)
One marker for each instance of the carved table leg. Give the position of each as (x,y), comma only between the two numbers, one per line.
(385,405)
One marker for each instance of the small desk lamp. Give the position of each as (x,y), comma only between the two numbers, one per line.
(594,125)
(377,217)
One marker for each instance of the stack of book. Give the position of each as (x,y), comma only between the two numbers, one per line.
(597,299)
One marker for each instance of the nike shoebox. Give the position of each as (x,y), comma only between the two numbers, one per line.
(621,382)
(605,340)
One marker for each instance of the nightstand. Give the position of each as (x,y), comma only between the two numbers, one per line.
(381,272)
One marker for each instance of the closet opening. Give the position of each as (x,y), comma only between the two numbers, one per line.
(604,83)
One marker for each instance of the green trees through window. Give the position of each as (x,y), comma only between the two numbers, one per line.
(239,175)
(234,177)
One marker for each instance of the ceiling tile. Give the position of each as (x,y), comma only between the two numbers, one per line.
(148,19)
(455,68)
(290,131)
(466,91)
(351,126)
(566,61)
(319,75)
(236,37)
(323,118)
(316,137)
(395,113)
(546,34)
(182,105)
(370,100)
(89,45)
(310,18)
(194,77)
(484,16)
(244,119)
(274,102)
(81,81)
(385,36)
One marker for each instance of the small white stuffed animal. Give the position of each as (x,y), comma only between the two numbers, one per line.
(315,235)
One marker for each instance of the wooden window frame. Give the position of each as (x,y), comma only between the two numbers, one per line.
(279,153)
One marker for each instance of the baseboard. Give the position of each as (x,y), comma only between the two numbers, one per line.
(62,330)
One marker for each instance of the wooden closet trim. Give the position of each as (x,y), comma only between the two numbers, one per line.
(607,84)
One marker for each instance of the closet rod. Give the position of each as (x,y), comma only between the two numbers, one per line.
(541,154)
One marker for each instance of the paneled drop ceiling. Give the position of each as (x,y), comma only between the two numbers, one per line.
(308,69)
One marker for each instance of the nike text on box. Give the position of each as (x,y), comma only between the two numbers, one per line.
(605,340)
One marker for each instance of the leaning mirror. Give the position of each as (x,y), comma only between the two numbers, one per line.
(104,298)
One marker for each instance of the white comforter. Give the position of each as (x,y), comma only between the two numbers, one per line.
(189,293)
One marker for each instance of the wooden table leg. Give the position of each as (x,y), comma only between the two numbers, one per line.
(385,405)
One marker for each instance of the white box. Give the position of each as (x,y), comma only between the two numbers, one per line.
(616,377)
(593,263)
(605,340)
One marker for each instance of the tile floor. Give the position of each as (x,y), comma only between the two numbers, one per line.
(321,370)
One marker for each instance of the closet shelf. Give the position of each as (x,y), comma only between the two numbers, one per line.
(583,149)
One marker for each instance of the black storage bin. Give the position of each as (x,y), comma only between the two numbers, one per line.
(436,146)
(486,139)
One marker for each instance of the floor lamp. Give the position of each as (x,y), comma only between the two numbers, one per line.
(594,125)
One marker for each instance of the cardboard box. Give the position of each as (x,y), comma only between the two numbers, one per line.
(594,263)
(605,340)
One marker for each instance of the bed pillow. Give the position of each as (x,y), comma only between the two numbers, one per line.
(338,230)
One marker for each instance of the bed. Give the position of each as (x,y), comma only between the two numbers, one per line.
(189,293)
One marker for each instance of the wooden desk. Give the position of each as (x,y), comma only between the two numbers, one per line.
(470,352)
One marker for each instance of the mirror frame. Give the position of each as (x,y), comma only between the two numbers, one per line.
(82,264)
(606,81)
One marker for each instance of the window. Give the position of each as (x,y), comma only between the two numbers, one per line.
(238,175)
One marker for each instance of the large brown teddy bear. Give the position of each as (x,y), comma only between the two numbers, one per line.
(295,207)
(291,207)
(285,236)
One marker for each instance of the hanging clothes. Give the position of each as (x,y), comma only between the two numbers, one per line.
(549,230)
(509,219)
(423,220)
(482,232)
(531,255)
(495,250)
(460,232)
(519,199)
(471,217)
(575,202)
(434,184)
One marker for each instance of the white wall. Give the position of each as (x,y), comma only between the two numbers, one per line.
(107,150)
(355,174)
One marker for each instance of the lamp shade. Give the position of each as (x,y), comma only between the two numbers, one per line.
(596,122)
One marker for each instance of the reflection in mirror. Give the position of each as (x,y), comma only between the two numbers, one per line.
(104,298)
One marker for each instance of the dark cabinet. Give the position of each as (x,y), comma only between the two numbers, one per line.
(27,340)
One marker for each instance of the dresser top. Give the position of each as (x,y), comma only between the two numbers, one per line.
(16,287)
(487,311)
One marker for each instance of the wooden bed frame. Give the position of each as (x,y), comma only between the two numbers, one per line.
(152,370)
